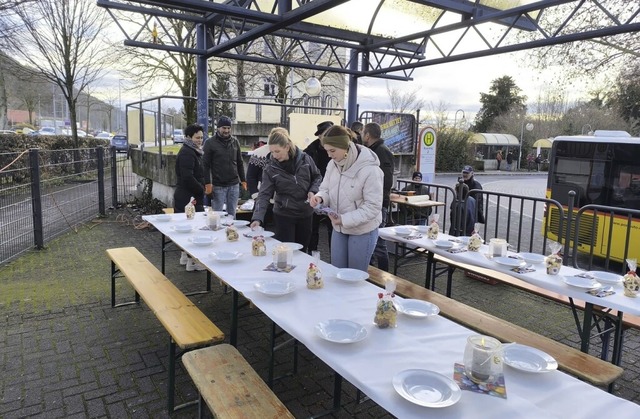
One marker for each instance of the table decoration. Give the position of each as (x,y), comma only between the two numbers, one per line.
(496,388)
(190,209)
(426,388)
(386,313)
(314,274)
(498,247)
(482,358)
(554,260)
(282,256)
(475,241)
(434,228)
(258,248)
(232,233)
(631,280)
(213,220)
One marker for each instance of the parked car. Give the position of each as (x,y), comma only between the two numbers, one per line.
(6,131)
(120,142)
(104,135)
(178,136)
(46,131)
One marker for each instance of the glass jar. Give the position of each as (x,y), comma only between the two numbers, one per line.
(482,359)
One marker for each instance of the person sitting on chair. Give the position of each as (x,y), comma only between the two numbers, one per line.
(420,215)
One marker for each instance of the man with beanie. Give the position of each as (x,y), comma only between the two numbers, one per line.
(468,179)
(321,159)
(371,138)
(223,168)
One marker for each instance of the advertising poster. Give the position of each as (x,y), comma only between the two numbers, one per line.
(427,154)
(398,131)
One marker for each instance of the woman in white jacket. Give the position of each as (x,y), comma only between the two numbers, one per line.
(352,192)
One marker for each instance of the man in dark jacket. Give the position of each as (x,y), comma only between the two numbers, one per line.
(371,138)
(321,159)
(223,168)
(468,179)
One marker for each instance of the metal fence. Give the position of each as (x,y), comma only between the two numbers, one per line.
(45,193)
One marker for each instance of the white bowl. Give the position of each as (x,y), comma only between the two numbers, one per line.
(352,275)
(422,228)
(225,256)
(443,244)
(403,231)
(202,241)
(532,258)
(183,228)
(163,217)
(274,288)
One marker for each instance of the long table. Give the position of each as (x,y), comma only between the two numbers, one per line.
(433,344)
(539,278)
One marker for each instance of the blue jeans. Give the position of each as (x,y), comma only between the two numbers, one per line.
(380,253)
(226,195)
(352,251)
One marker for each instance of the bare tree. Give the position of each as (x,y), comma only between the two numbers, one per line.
(68,37)
(404,101)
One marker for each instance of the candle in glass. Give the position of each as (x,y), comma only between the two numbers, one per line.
(482,358)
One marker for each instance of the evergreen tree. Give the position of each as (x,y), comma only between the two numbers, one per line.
(503,97)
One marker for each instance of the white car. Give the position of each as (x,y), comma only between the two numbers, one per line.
(47,131)
(104,135)
(178,136)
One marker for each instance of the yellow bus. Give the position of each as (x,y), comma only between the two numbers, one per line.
(602,169)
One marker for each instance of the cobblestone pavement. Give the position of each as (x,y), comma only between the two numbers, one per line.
(67,354)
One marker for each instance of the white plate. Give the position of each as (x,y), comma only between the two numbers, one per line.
(606,277)
(292,246)
(426,388)
(403,231)
(352,275)
(264,234)
(443,244)
(163,217)
(526,358)
(202,240)
(224,256)
(578,282)
(241,223)
(416,308)
(275,288)
(422,228)
(341,331)
(532,258)
(182,228)
(507,261)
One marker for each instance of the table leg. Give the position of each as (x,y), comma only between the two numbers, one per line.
(233,333)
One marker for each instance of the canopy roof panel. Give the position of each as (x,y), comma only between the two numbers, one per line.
(387,38)
(494,139)
(543,143)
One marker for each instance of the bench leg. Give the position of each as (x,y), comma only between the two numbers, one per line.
(172,375)
(233,333)
(114,275)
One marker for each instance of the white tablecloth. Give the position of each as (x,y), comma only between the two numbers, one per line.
(433,344)
(539,278)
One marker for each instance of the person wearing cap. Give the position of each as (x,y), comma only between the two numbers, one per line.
(290,178)
(469,180)
(223,168)
(371,138)
(351,193)
(422,214)
(321,159)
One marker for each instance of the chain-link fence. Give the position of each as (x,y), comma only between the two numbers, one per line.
(44,193)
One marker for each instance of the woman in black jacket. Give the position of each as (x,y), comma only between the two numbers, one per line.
(293,177)
(189,171)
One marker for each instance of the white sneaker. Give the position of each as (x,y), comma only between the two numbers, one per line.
(194,265)
(183,258)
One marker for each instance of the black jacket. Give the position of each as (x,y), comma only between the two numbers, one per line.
(319,155)
(386,164)
(222,161)
(190,179)
(474,184)
(290,189)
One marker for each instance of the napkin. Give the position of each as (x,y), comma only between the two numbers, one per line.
(496,388)
(211,228)
(457,250)
(522,270)
(272,268)
(598,292)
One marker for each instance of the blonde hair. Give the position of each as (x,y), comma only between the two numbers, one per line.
(280,136)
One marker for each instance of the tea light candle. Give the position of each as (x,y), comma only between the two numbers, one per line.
(481,362)
(281,260)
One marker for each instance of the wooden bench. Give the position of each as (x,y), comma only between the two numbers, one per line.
(229,386)
(187,326)
(571,360)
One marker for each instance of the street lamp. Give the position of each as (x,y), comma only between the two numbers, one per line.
(119,106)
(455,117)
(529,127)
(312,86)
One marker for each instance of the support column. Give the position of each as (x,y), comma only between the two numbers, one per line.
(202,100)
(352,104)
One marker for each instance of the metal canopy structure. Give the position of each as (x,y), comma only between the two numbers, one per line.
(384,38)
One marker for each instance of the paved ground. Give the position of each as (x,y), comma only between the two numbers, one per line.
(66,353)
